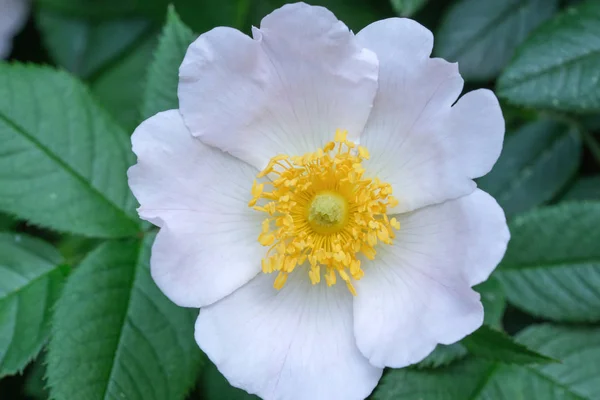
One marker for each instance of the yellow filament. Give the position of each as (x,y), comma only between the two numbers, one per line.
(324,212)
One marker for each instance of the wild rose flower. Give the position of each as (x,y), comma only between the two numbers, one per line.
(315,199)
(13,14)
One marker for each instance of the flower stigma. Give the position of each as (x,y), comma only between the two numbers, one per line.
(323,211)
(328,212)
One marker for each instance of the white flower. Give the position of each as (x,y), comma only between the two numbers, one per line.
(13,14)
(317,262)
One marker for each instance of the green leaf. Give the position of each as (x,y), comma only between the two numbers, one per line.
(7,222)
(30,282)
(201,15)
(120,88)
(591,122)
(105,9)
(552,266)
(163,72)
(75,248)
(115,336)
(494,303)
(482,35)
(587,188)
(63,159)
(458,381)
(495,345)
(83,47)
(35,382)
(215,387)
(493,300)
(537,161)
(443,355)
(578,348)
(575,378)
(557,66)
(406,8)
(110,54)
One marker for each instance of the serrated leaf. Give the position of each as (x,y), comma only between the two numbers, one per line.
(115,335)
(444,354)
(552,266)
(63,159)
(587,188)
(557,66)
(575,378)
(458,381)
(495,345)
(31,279)
(482,35)
(406,8)
(494,303)
(75,248)
(35,383)
(537,161)
(163,72)
(578,349)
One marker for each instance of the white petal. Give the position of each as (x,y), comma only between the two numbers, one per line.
(286,91)
(417,293)
(428,150)
(296,343)
(13,14)
(207,246)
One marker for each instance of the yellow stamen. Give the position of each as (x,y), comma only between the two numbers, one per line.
(323,213)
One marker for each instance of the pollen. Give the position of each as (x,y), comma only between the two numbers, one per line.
(323,215)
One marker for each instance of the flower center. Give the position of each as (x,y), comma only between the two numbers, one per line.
(323,212)
(328,212)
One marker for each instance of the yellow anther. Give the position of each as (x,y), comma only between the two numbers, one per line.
(363,152)
(266,239)
(266,265)
(384,235)
(257,189)
(341,135)
(323,213)
(280,280)
(290,264)
(372,238)
(354,267)
(330,278)
(368,251)
(266,226)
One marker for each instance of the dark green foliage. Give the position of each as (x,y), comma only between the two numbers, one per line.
(115,335)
